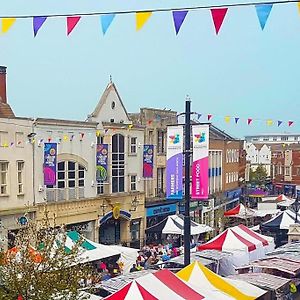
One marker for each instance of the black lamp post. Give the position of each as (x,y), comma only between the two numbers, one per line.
(296,206)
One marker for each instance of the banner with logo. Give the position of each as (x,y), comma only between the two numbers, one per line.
(50,159)
(174,162)
(200,161)
(148,161)
(101,162)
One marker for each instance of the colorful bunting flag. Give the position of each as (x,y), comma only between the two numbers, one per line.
(7,23)
(105,131)
(81,136)
(227,119)
(178,18)
(290,123)
(71,23)
(106,21)
(218,15)
(249,121)
(49,139)
(263,12)
(279,123)
(98,133)
(209,117)
(236,120)
(299,7)
(38,23)
(150,122)
(72,137)
(269,122)
(199,116)
(130,126)
(142,18)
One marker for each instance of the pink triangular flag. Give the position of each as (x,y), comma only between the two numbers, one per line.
(291,123)
(249,121)
(209,117)
(218,15)
(71,23)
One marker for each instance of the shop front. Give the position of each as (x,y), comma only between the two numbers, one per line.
(232,198)
(84,228)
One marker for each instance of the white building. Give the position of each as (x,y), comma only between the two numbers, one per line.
(275,138)
(259,154)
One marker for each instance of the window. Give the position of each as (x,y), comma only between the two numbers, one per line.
(160,141)
(266,139)
(70,174)
(100,187)
(274,139)
(160,180)
(284,138)
(113,105)
(100,139)
(118,164)
(20,172)
(133,182)
(3,138)
(287,171)
(133,145)
(227,178)
(255,139)
(150,136)
(298,171)
(135,229)
(296,138)
(3,178)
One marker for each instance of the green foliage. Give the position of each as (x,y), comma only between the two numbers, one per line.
(46,273)
(259,176)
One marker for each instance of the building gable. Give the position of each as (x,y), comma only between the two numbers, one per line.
(110,107)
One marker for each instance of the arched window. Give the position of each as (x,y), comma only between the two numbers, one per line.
(118,163)
(70,174)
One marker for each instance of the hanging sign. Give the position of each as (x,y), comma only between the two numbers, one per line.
(148,161)
(101,162)
(50,158)
(200,161)
(174,162)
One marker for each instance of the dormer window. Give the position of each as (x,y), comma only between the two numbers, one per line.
(112,120)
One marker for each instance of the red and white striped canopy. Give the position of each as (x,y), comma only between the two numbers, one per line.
(240,211)
(239,238)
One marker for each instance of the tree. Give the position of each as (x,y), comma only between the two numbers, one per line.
(259,176)
(39,267)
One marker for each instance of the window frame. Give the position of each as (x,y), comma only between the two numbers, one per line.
(5,184)
(133,145)
(20,174)
(133,183)
(118,163)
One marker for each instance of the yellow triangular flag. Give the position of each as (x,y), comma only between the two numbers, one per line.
(141,19)
(299,7)
(7,23)
(269,122)
(227,119)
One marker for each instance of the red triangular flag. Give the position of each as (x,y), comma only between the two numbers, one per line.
(71,23)
(209,117)
(291,123)
(49,139)
(218,15)
(249,121)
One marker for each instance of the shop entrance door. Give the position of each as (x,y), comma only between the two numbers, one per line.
(109,232)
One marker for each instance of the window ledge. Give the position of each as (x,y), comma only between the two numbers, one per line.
(20,194)
(4,195)
(132,154)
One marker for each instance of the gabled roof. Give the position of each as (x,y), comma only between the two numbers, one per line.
(110,87)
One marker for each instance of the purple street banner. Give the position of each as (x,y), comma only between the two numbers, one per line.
(50,159)
(174,162)
(200,161)
(148,161)
(101,162)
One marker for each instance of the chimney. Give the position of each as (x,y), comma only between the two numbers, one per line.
(3,84)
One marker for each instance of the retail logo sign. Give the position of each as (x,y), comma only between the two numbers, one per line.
(101,162)
(50,162)
(200,162)
(148,161)
(174,162)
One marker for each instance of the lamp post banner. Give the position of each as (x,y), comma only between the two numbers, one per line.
(174,162)
(101,162)
(200,161)
(50,157)
(148,161)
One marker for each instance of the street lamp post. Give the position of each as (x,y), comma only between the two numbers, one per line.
(296,207)
(187,152)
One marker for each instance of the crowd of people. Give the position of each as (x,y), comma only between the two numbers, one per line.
(151,255)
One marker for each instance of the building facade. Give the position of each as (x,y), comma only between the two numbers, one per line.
(276,138)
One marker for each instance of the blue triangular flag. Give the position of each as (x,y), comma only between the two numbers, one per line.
(38,23)
(279,123)
(178,17)
(263,12)
(236,120)
(199,116)
(106,21)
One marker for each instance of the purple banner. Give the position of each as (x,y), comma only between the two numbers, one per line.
(148,161)
(50,158)
(101,162)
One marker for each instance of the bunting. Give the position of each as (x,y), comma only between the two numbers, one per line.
(263,11)
(209,117)
(37,24)
(227,119)
(269,122)
(290,123)
(71,23)
(249,121)
(178,18)
(236,120)
(141,19)
(106,21)
(218,15)
(7,23)
(299,7)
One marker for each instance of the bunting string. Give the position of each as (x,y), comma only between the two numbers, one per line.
(218,13)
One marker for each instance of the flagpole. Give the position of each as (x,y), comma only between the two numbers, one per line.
(187,151)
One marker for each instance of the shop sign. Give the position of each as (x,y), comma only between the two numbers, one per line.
(161,210)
